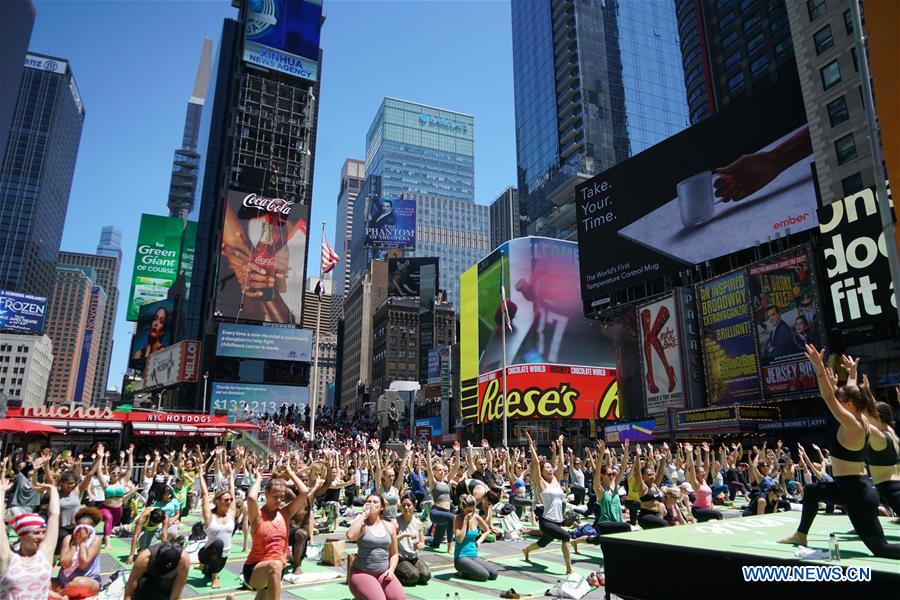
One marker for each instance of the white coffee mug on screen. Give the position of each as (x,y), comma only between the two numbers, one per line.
(696,199)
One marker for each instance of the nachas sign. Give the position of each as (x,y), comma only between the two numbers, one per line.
(857,272)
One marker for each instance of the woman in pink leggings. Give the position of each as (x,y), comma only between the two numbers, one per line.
(372,575)
(117,490)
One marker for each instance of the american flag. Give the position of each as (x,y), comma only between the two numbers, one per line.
(330,258)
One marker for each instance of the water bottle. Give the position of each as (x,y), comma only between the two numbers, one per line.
(834,551)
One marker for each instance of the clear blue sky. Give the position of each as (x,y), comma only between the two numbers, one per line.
(135,63)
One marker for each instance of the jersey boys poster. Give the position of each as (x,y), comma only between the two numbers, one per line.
(787,317)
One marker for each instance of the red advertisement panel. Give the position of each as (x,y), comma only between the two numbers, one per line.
(549,391)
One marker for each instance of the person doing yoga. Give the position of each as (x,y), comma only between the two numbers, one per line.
(466,527)
(553,497)
(852,487)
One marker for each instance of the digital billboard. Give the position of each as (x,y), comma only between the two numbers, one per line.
(391,223)
(22,312)
(787,317)
(240,398)
(729,347)
(176,364)
(661,345)
(262,259)
(266,343)
(404,275)
(156,260)
(559,363)
(90,324)
(725,184)
(634,431)
(154,331)
(284,35)
(857,272)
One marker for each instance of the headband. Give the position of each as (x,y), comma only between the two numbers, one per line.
(27,522)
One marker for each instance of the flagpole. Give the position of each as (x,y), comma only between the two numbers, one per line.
(315,383)
(504,318)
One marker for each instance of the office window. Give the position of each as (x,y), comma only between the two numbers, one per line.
(823,40)
(733,59)
(815,8)
(845,149)
(855,60)
(751,22)
(759,65)
(729,39)
(837,111)
(852,184)
(736,82)
(831,75)
(755,42)
(848,22)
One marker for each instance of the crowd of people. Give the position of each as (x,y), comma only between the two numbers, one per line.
(397,500)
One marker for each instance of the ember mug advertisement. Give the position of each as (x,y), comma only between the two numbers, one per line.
(729,183)
(261,263)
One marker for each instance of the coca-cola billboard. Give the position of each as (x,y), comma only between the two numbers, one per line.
(262,259)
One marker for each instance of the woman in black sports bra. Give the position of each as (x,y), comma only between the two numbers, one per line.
(882,453)
(647,480)
(852,409)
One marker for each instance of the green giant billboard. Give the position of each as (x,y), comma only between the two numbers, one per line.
(158,257)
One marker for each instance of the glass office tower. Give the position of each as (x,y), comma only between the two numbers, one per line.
(595,83)
(419,148)
(36,174)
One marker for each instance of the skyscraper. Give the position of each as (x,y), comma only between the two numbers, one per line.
(506,221)
(186,165)
(36,174)
(824,40)
(728,46)
(595,83)
(327,343)
(419,148)
(353,173)
(258,141)
(76,309)
(17,17)
(106,268)
(25,369)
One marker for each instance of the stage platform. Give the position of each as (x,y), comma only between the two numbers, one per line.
(655,563)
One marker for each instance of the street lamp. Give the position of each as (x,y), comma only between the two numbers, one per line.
(205,377)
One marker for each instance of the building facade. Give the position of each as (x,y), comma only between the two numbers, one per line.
(396,341)
(36,174)
(729,46)
(595,83)
(419,148)
(107,271)
(353,173)
(824,36)
(456,231)
(17,17)
(186,164)
(75,311)
(506,221)
(365,294)
(25,363)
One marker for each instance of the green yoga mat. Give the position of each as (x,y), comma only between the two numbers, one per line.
(331,591)
(525,587)
(200,585)
(437,589)
(541,566)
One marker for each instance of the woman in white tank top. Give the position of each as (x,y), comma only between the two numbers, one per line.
(547,487)
(218,520)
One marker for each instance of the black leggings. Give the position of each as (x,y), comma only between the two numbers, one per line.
(890,495)
(860,499)
(706,514)
(607,527)
(821,491)
(634,508)
(650,520)
(551,530)
(210,556)
(579,492)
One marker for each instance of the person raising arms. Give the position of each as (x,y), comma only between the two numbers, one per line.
(695,474)
(25,575)
(442,514)
(646,479)
(882,452)
(553,497)
(856,492)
